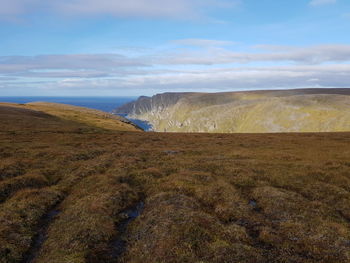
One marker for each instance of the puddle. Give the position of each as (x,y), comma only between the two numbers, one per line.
(129,215)
(41,236)
(253,203)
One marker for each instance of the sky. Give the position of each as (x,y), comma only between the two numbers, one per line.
(144,47)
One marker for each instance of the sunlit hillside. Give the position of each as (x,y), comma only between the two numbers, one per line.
(313,110)
(71,192)
(94,118)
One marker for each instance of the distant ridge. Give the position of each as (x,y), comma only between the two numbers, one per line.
(262,111)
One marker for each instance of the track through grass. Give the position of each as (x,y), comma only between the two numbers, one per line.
(266,198)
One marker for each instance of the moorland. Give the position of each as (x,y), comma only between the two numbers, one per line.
(74,190)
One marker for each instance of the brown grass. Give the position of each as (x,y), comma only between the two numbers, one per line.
(90,117)
(208,197)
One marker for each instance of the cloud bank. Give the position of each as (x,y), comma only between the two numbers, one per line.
(209,66)
(266,53)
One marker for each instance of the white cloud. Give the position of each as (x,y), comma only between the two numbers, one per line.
(253,78)
(322,2)
(211,79)
(97,64)
(202,68)
(183,9)
(147,8)
(12,8)
(306,55)
(63,62)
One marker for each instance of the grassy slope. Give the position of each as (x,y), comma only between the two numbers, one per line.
(208,197)
(255,112)
(86,116)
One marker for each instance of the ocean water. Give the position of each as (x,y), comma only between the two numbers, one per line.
(106,104)
(143,124)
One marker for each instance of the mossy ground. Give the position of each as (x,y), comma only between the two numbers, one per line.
(208,197)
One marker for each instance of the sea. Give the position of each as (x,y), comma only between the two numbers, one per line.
(106,104)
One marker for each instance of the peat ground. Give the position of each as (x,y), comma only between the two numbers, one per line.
(207,197)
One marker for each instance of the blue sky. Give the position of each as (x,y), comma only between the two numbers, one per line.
(143,47)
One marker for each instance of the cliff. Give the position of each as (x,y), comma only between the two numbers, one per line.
(302,110)
(157,103)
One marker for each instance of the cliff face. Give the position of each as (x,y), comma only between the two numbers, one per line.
(153,104)
(304,110)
